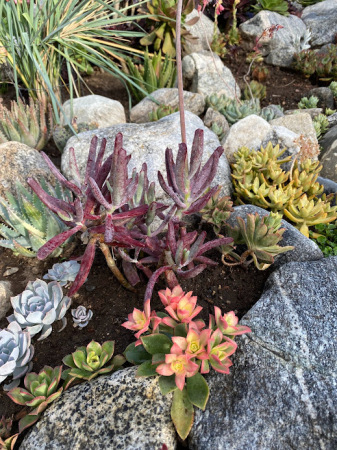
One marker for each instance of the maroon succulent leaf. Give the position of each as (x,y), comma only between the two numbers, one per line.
(56,241)
(90,167)
(196,153)
(191,273)
(86,263)
(57,174)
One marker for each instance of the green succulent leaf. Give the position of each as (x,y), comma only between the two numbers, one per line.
(182,413)
(167,384)
(147,369)
(136,355)
(157,343)
(197,390)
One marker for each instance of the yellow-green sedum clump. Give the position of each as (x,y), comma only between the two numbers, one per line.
(259,179)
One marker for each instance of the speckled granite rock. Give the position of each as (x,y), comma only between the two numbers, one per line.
(147,143)
(304,249)
(111,412)
(282,390)
(202,31)
(17,163)
(328,155)
(192,101)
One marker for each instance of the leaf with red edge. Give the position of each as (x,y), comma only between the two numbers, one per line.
(206,174)
(109,229)
(186,274)
(169,191)
(56,241)
(215,243)
(27,421)
(170,169)
(197,206)
(86,263)
(100,156)
(98,194)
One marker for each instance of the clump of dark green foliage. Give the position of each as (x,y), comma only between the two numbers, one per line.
(325,235)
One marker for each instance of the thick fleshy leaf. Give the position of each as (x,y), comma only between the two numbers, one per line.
(109,348)
(55,242)
(136,354)
(167,384)
(197,390)
(182,413)
(157,343)
(69,361)
(79,358)
(27,421)
(86,263)
(147,369)
(20,396)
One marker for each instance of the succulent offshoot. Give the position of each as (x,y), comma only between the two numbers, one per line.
(81,316)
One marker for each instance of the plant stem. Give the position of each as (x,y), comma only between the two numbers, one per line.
(114,269)
(180,73)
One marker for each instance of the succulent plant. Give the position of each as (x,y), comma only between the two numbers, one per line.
(41,389)
(218,130)
(322,64)
(305,213)
(156,73)
(307,103)
(5,427)
(28,223)
(268,114)
(88,362)
(261,236)
(9,443)
(81,316)
(30,124)
(278,6)
(217,211)
(39,306)
(306,3)
(63,272)
(160,112)
(163,13)
(260,73)
(333,87)
(325,236)
(237,111)
(218,102)
(321,125)
(255,90)
(259,179)
(16,353)
(62,133)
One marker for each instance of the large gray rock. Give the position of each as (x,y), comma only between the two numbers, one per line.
(111,412)
(285,42)
(328,156)
(193,102)
(17,163)
(206,74)
(325,97)
(202,31)
(299,123)
(321,19)
(282,390)
(332,120)
(147,143)
(95,108)
(248,132)
(304,249)
(314,112)
(5,295)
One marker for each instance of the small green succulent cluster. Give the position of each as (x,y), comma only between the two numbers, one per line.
(306,3)
(41,390)
(155,73)
(325,235)
(307,103)
(261,236)
(233,109)
(259,179)
(333,88)
(255,90)
(161,111)
(28,223)
(321,64)
(278,6)
(62,133)
(88,362)
(321,125)
(30,124)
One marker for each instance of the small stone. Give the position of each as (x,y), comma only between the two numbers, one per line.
(10,271)
(90,287)
(5,295)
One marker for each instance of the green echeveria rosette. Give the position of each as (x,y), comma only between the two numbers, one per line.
(39,306)
(88,362)
(16,353)
(41,390)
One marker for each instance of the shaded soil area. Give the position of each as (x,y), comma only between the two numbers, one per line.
(230,288)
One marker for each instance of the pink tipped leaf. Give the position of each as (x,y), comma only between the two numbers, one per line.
(169,191)
(196,153)
(56,241)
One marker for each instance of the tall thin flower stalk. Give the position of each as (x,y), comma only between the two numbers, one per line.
(180,73)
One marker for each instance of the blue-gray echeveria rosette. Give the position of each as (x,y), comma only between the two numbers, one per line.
(81,316)
(16,353)
(39,306)
(63,272)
